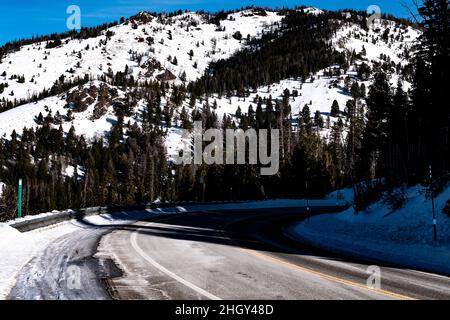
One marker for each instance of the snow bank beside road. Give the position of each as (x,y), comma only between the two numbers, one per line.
(404,236)
(17,248)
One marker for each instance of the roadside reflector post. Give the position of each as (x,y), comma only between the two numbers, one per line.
(202,182)
(432,204)
(307,193)
(19,200)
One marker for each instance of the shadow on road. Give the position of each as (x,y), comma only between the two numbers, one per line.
(256,229)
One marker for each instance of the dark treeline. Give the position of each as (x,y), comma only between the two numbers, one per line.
(103,172)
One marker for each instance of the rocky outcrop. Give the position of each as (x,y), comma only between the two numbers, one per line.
(166,76)
(102,96)
(151,66)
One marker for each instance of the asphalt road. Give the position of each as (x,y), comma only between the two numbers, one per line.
(211,255)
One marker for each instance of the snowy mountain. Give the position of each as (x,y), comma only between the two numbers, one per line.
(158,48)
(146,44)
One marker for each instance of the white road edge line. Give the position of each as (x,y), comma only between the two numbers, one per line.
(134,244)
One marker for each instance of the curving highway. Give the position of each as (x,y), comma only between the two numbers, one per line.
(233,254)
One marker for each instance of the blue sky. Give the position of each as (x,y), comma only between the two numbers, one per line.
(25,18)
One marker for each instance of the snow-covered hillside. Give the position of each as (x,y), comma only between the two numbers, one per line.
(159,48)
(148,47)
(382,38)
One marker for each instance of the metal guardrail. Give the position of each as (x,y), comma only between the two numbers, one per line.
(66,215)
(48,220)
(61,216)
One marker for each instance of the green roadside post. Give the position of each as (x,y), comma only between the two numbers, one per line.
(19,200)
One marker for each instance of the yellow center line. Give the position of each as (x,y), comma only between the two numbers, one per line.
(327,276)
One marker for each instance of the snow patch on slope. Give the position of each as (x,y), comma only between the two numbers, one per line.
(399,41)
(318,94)
(2,187)
(312,10)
